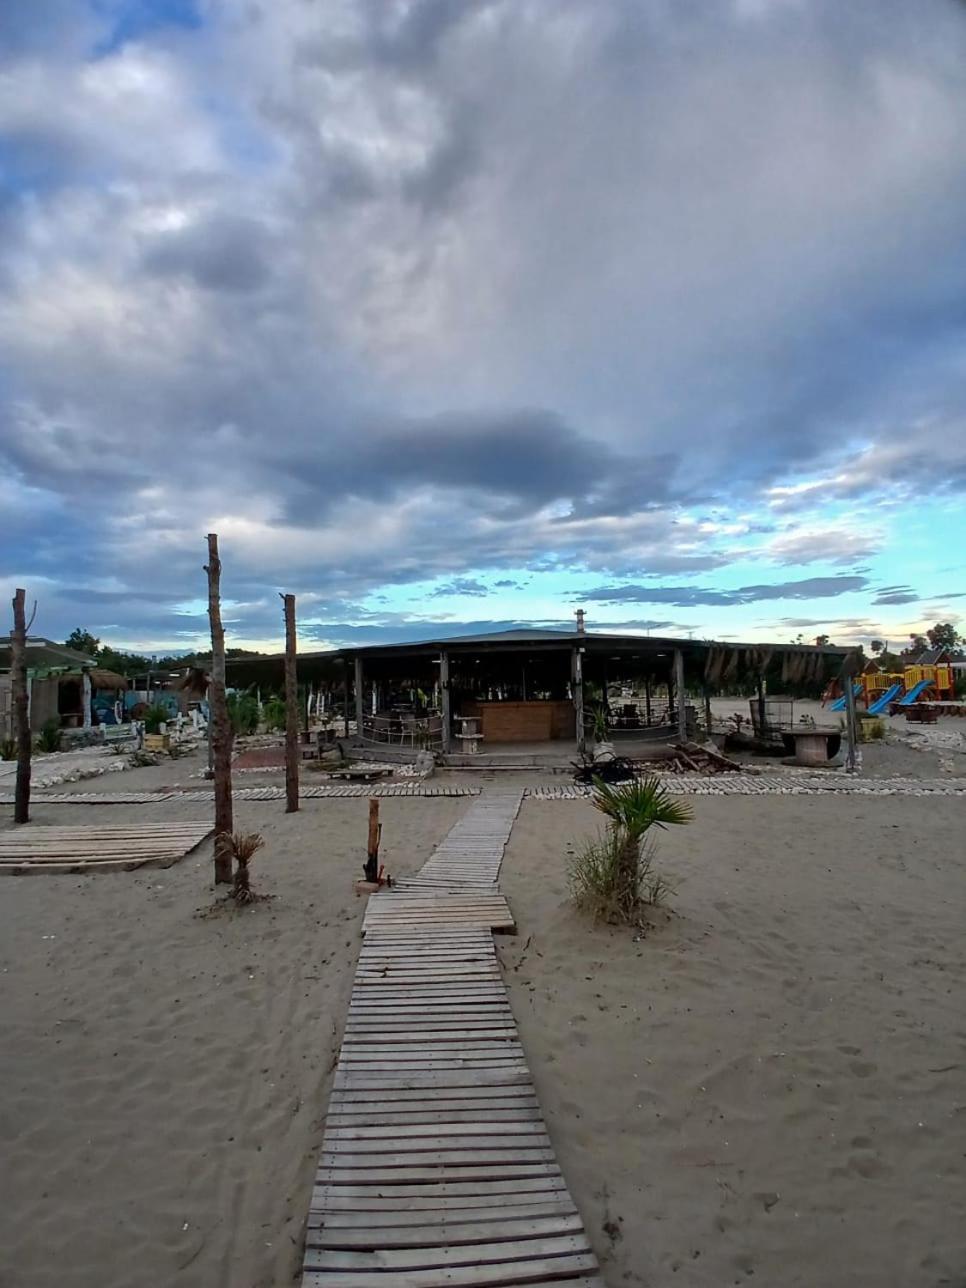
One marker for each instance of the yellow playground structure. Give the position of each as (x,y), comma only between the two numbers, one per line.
(928,679)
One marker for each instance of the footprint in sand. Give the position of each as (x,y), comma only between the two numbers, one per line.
(862,1068)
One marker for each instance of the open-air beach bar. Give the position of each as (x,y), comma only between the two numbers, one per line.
(518,687)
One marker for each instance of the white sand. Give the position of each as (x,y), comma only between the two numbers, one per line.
(164,1076)
(771,1087)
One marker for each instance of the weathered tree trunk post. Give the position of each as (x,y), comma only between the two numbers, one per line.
(345,704)
(853,757)
(707,710)
(680,694)
(359,692)
(445,705)
(291,710)
(372,847)
(218,720)
(21,706)
(86,696)
(761,705)
(578,691)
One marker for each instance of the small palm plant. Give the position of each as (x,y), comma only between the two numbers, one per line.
(244,845)
(613,876)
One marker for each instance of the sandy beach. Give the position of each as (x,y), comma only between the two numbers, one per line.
(165,1073)
(770,1086)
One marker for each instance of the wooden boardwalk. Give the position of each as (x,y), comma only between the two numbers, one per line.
(39,848)
(436,1166)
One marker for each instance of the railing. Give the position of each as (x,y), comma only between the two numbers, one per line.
(627,715)
(404,730)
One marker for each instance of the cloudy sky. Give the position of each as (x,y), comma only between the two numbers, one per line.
(447,313)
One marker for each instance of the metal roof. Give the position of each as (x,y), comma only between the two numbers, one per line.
(540,639)
(47,654)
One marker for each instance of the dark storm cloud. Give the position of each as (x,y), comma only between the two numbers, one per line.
(226,253)
(528,458)
(688,596)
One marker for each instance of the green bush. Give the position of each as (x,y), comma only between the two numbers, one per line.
(613,877)
(155,717)
(873,730)
(50,735)
(8,749)
(273,714)
(243,713)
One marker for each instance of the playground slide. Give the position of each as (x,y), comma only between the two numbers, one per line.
(882,704)
(913,694)
(839,703)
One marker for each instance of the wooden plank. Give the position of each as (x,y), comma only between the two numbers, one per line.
(437,1131)
(449,1234)
(515,1087)
(415,1196)
(476,1255)
(350,1219)
(476,1172)
(419,1113)
(532,1272)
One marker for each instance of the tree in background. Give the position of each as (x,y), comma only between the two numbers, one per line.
(944,635)
(917,644)
(876,646)
(82,642)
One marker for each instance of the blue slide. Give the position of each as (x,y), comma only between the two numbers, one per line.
(911,696)
(882,703)
(839,703)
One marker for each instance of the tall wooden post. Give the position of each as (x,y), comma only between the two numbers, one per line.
(761,706)
(21,708)
(445,705)
(359,696)
(853,757)
(371,869)
(86,695)
(707,710)
(681,696)
(578,690)
(345,705)
(219,722)
(291,710)
(647,700)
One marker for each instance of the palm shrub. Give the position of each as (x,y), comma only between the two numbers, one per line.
(155,716)
(243,713)
(613,877)
(50,736)
(244,845)
(273,714)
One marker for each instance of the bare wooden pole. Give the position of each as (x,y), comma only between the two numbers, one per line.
(21,706)
(372,848)
(218,719)
(291,710)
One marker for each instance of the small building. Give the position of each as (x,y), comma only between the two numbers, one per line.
(62,685)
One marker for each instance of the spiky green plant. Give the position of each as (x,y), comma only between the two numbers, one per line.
(273,713)
(243,713)
(50,736)
(155,716)
(621,862)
